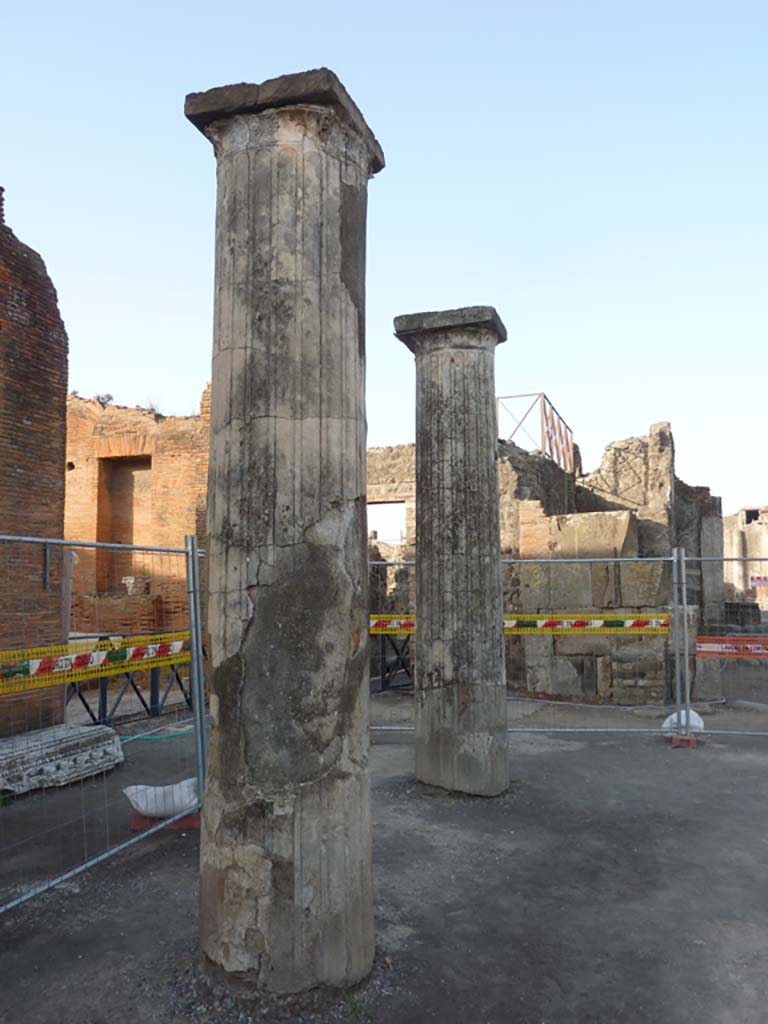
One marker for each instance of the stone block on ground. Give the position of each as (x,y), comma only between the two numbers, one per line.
(57,756)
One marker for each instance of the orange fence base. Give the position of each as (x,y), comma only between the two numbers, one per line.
(684,741)
(140,822)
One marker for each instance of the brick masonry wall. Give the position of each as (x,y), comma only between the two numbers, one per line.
(133,477)
(33,388)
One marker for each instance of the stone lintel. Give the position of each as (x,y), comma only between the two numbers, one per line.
(319,87)
(467,323)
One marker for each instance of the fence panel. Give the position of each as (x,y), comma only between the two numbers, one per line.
(97,703)
(392,602)
(728,648)
(591,644)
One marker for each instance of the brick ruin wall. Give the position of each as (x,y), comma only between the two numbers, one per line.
(133,477)
(33,389)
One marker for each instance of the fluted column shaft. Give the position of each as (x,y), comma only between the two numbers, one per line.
(286,896)
(461,727)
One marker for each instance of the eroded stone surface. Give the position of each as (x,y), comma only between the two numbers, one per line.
(33,388)
(57,756)
(461,741)
(286,849)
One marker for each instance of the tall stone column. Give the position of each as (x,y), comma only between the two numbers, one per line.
(461,714)
(286,897)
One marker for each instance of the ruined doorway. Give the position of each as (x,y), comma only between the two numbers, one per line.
(124,516)
(386,519)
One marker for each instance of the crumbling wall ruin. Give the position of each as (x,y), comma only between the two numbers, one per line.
(637,473)
(624,669)
(632,506)
(33,388)
(133,477)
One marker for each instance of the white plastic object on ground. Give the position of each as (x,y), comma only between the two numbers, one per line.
(163,801)
(670,723)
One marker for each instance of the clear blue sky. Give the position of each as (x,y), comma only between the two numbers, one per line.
(597,171)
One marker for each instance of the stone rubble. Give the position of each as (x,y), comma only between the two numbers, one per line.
(57,756)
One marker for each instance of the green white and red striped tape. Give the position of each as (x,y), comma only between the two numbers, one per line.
(532,625)
(586,624)
(39,667)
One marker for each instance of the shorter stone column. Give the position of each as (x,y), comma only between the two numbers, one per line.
(461,713)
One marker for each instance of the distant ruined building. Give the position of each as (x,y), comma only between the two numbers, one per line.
(132,466)
(134,477)
(746,538)
(632,506)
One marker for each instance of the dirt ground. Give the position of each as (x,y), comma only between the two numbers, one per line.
(618,881)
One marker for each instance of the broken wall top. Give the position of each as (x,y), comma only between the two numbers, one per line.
(635,472)
(531,476)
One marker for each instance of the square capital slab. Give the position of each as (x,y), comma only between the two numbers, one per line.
(319,87)
(465,324)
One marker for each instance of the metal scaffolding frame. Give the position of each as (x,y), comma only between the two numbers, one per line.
(555,436)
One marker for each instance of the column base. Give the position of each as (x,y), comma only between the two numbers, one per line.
(462,744)
(286,887)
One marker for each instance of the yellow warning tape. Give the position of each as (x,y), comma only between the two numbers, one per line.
(397,625)
(568,624)
(36,668)
(572,624)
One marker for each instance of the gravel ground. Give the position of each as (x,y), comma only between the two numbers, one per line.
(618,880)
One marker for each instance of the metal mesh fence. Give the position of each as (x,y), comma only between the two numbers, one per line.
(591,644)
(102,654)
(99,715)
(610,644)
(392,603)
(728,647)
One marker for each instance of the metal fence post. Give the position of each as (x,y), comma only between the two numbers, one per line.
(154,692)
(196,682)
(676,635)
(686,655)
(103,710)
